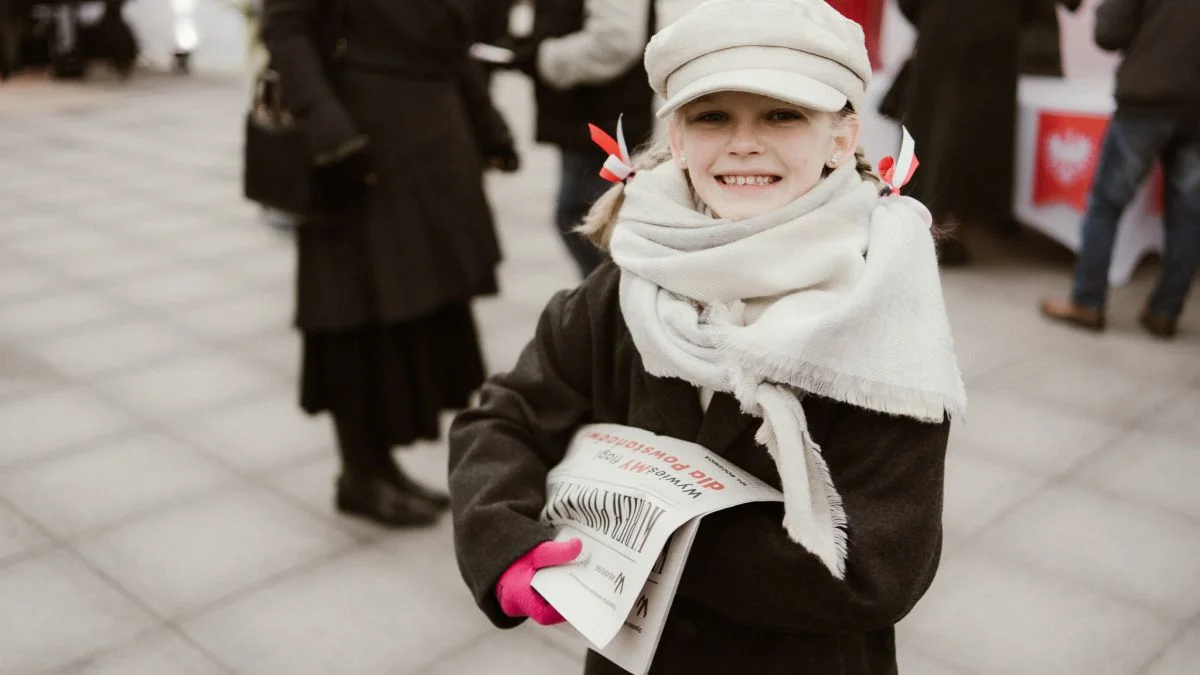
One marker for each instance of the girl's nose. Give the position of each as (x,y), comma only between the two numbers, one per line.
(745,140)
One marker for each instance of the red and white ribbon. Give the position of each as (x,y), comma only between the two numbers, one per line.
(617,167)
(897,172)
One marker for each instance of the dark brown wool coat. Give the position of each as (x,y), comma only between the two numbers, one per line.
(750,599)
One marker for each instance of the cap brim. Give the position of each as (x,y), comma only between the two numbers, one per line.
(791,87)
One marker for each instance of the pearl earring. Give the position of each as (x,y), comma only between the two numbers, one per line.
(682,160)
(833,161)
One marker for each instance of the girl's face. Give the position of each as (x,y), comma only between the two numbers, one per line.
(748,154)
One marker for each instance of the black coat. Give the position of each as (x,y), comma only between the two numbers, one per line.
(750,600)
(1041,42)
(423,236)
(961,105)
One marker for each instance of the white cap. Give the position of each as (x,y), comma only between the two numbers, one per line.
(801,51)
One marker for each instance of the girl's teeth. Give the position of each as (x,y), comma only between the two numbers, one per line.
(746,180)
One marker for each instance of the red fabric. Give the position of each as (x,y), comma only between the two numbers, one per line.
(517,598)
(607,143)
(1068,148)
(869,15)
(887,171)
(1157,185)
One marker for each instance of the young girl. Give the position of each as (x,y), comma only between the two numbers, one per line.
(766,302)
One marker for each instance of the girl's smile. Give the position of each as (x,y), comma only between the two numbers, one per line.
(733,180)
(748,154)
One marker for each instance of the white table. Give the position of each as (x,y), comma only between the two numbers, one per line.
(1139,231)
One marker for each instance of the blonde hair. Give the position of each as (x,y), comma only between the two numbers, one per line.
(598,224)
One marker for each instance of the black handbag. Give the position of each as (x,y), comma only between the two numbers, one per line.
(277,160)
(277,165)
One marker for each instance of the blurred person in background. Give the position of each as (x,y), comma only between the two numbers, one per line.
(960,105)
(401,126)
(1041,39)
(12,21)
(584,57)
(1157,118)
(1039,53)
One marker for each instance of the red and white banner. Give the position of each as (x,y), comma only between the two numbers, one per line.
(1068,148)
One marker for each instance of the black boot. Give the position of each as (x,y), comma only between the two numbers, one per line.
(381,500)
(371,484)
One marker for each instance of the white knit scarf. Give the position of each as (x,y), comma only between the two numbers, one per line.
(836,294)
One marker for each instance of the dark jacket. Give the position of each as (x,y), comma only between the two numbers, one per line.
(1041,39)
(961,105)
(750,600)
(1161,66)
(423,236)
(563,116)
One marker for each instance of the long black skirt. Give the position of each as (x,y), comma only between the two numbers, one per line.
(399,376)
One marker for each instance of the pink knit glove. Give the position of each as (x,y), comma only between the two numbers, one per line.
(517,598)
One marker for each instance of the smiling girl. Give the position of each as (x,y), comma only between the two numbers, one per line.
(765,301)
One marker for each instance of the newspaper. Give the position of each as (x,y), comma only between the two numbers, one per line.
(626,493)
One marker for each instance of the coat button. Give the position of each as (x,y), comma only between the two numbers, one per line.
(340,47)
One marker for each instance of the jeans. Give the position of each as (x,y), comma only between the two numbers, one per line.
(1131,145)
(580,185)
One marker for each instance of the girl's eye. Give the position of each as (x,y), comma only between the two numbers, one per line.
(785,115)
(710,116)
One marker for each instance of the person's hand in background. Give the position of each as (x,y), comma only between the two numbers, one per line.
(525,54)
(342,182)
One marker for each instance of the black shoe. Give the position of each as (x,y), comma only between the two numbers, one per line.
(383,501)
(405,482)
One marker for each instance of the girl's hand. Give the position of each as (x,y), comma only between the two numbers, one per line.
(517,598)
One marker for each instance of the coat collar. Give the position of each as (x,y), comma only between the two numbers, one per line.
(678,404)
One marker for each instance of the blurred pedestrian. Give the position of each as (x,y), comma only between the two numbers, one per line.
(741,311)
(1041,39)
(585,60)
(961,107)
(12,25)
(1157,119)
(401,128)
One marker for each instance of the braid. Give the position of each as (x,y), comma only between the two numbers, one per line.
(597,225)
(865,169)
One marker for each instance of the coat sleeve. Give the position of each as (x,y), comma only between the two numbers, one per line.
(287,33)
(1117,23)
(502,449)
(889,472)
(611,42)
(492,134)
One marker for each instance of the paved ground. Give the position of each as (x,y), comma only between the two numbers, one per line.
(165,509)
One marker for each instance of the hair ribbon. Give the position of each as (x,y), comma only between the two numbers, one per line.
(617,167)
(896,172)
